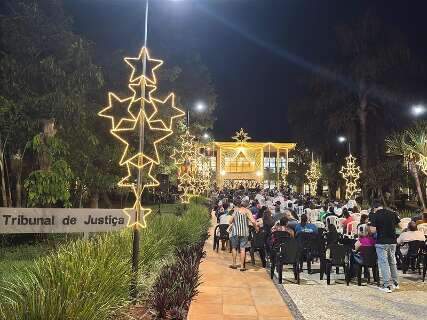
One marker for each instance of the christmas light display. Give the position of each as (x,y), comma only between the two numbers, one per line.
(140,122)
(284,176)
(313,175)
(241,136)
(184,158)
(422,163)
(351,174)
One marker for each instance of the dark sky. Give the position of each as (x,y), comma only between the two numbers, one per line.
(258,51)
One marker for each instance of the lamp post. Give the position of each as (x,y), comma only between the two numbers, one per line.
(418,110)
(198,107)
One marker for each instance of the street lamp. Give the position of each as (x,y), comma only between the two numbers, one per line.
(342,139)
(200,106)
(418,110)
(206,136)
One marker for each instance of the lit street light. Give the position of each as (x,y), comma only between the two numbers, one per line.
(206,136)
(200,106)
(342,139)
(418,110)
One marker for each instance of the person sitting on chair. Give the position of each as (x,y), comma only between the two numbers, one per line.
(365,239)
(412,234)
(304,226)
(282,225)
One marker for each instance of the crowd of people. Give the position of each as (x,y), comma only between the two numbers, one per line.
(241,211)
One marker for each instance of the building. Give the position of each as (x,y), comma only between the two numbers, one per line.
(241,162)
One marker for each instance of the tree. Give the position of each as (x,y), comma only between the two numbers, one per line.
(411,145)
(353,97)
(46,76)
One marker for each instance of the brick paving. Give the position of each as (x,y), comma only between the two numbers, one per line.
(227,294)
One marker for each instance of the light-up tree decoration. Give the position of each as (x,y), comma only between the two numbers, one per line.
(202,173)
(313,175)
(351,174)
(284,176)
(141,121)
(184,158)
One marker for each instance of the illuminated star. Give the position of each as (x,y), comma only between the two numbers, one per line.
(130,137)
(351,174)
(136,89)
(117,110)
(137,65)
(137,215)
(167,112)
(136,106)
(241,136)
(144,170)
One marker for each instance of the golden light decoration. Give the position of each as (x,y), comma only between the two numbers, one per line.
(284,176)
(140,112)
(422,163)
(351,174)
(184,158)
(201,173)
(241,136)
(313,175)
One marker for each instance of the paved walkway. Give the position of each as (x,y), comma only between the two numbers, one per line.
(227,294)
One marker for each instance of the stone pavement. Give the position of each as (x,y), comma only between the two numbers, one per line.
(316,300)
(227,294)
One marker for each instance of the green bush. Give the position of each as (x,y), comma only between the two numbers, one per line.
(90,279)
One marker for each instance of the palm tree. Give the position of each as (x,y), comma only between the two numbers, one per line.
(411,144)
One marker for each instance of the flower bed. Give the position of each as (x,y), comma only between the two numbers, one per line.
(90,279)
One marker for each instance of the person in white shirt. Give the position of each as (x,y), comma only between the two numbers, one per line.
(412,234)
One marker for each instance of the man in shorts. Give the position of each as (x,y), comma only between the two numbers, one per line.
(239,231)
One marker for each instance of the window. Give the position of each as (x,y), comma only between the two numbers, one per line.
(270,163)
(239,164)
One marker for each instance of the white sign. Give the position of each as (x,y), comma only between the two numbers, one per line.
(59,220)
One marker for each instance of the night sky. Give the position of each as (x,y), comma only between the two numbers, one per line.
(258,51)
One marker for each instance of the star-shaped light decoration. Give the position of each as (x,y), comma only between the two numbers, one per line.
(143,170)
(313,175)
(141,112)
(117,110)
(284,175)
(128,135)
(241,136)
(137,65)
(202,174)
(184,159)
(167,112)
(351,174)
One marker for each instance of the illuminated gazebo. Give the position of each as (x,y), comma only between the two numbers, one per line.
(241,162)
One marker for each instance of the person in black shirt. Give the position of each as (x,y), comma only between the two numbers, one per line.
(384,223)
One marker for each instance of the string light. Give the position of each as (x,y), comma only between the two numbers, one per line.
(422,163)
(313,175)
(141,111)
(351,174)
(284,176)
(241,136)
(137,65)
(184,158)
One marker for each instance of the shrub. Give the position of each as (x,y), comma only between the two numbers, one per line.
(90,279)
(171,299)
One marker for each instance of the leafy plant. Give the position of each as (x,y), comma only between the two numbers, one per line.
(89,280)
(171,299)
(49,188)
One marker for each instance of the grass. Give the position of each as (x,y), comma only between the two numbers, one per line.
(165,208)
(89,279)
